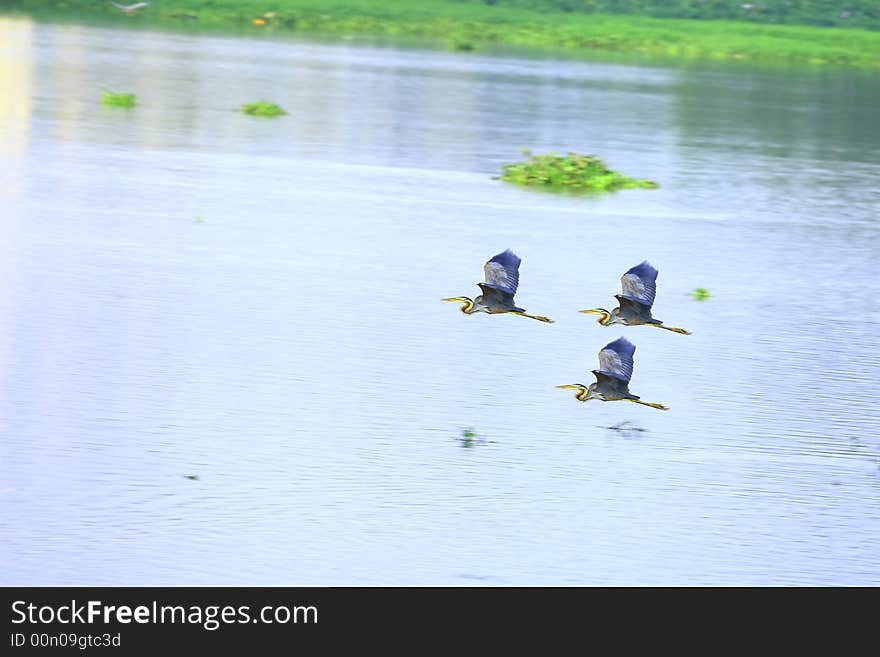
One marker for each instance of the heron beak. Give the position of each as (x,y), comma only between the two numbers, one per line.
(593,311)
(569,386)
(454,299)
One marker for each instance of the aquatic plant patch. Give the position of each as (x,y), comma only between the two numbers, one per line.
(111,99)
(262,108)
(571,171)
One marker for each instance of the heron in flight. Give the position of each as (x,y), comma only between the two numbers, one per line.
(130,9)
(502,279)
(612,377)
(639,288)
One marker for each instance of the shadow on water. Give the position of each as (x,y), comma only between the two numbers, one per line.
(626,428)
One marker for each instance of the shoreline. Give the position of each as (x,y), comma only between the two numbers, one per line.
(473,28)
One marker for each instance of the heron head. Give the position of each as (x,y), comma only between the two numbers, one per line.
(581,394)
(466,303)
(604,315)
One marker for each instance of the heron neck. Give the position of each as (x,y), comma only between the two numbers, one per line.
(606,318)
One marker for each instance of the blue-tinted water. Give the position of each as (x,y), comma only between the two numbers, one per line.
(185,290)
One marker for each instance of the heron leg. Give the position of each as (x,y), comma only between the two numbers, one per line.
(672,328)
(644,403)
(540,318)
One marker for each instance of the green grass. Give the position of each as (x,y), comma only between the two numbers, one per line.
(111,99)
(572,171)
(473,25)
(262,108)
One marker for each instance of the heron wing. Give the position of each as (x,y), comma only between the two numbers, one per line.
(493,297)
(502,271)
(604,379)
(631,308)
(616,359)
(640,284)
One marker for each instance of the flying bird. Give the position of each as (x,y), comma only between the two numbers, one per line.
(612,377)
(502,279)
(130,9)
(639,288)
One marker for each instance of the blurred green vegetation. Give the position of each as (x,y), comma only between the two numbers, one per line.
(111,99)
(863,14)
(467,437)
(663,28)
(262,108)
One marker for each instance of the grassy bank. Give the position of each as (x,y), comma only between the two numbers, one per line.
(469,26)
(863,14)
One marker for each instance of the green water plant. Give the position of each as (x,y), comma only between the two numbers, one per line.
(112,99)
(571,171)
(467,437)
(700,294)
(262,108)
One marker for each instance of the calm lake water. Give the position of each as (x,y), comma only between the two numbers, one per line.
(186,291)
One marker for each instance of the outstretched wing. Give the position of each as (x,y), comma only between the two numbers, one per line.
(502,272)
(497,300)
(640,284)
(635,310)
(616,359)
(608,381)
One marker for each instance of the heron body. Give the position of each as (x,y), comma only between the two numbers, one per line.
(639,287)
(502,281)
(612,377)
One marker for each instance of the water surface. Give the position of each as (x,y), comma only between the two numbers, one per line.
(188,291)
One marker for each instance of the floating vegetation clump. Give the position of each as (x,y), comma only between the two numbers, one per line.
(262,108)
(572,171)
(700,294)
(467,437)
(111,99)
